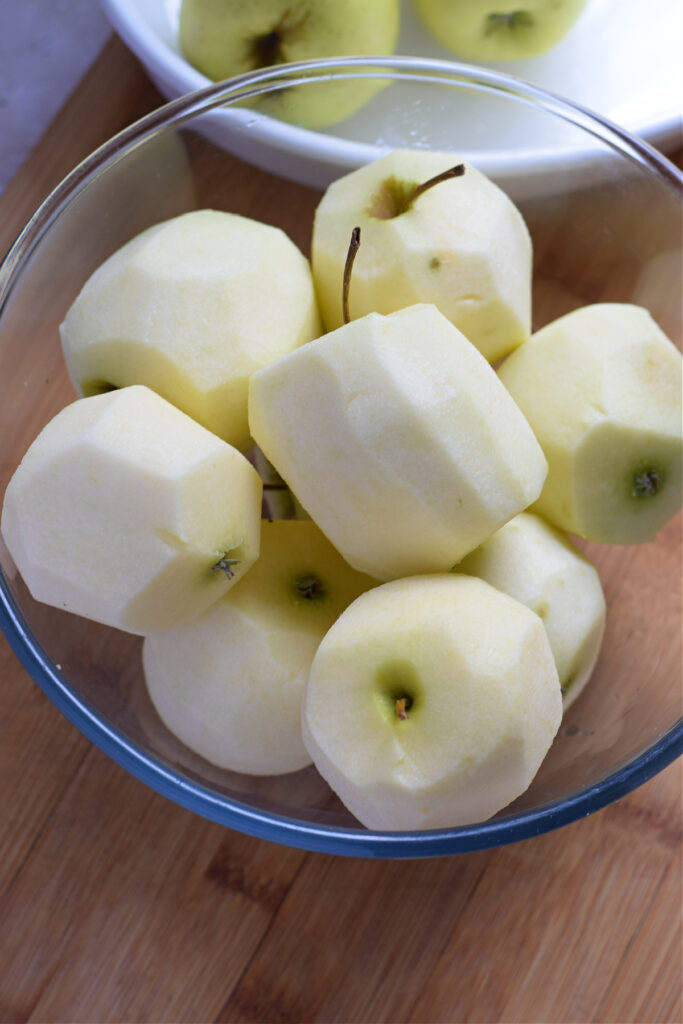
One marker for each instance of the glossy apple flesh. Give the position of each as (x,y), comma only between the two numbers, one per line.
(601,388)
(492,30)
(462,245)
(223,38)
(536,564)
(126,511)
(229,684)
(181,309)
(431,703)
(399,441)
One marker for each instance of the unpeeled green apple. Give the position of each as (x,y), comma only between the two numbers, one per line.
(601,388)
(398,439)
(536,564)
(462,245)
(222,38)
(230,683)
(126,511)
(180,308)
(431,703)
(487,30)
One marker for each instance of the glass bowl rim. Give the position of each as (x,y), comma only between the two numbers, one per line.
(130,755)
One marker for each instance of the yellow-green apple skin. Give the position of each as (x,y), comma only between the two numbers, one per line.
(399,441)
(181,309)
(538,565)
(492,30)
(230,683)
(601,388)
(462,245)
(222,38)
(126,511)
(482,703)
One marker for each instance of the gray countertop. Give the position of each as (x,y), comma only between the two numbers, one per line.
(46,46)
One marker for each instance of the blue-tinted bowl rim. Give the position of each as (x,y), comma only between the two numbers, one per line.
(129,755)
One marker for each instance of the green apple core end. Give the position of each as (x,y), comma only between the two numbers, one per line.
(647,483)
(226,562)
(266,49)
(567,685)
(397,195)
(510,20)
(97,387)
(397,690)
(310,587)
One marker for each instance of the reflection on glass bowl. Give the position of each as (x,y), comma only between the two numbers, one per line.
(608,229)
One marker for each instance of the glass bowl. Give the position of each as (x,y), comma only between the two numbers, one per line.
(604,212)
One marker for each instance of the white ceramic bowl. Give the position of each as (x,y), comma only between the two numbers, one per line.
(621,59)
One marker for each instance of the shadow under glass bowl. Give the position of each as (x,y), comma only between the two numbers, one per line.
(604,212)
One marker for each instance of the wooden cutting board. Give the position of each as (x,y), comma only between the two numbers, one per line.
(116,905)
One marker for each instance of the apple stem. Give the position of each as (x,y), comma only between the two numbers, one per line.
(354,245)
(452,172)
(401,709)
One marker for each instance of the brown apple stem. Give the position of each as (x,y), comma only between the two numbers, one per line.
(401,709)
(452,172)
(354,245)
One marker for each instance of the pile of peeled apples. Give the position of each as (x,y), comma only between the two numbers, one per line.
(401,605)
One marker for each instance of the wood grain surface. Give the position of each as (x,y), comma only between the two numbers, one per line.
(116,905)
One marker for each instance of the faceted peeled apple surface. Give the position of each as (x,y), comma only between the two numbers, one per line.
(181,308)
(122,508)
(230,683)
(222,38)
(399,441)
(601,388)
(461,245)
(537,565)
(480,699)
(489,30)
